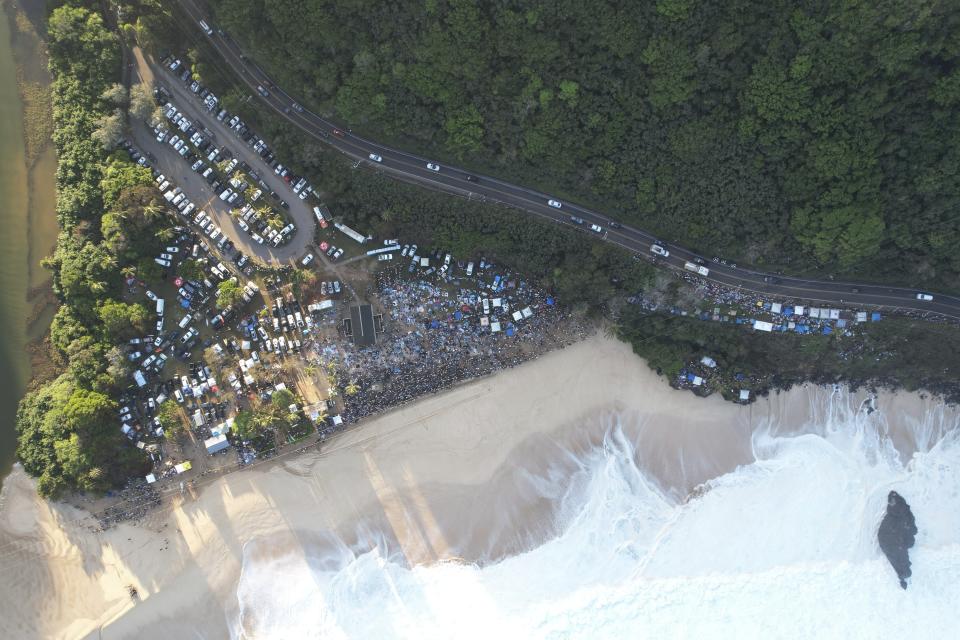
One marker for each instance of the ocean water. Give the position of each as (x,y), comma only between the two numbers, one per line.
(783,547)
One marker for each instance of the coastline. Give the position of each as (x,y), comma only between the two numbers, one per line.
(419,472)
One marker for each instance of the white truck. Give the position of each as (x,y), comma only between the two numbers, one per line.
(703,271)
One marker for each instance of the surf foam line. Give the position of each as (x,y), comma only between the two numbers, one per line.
(783,547)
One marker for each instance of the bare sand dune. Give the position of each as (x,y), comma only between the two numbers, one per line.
(435,475)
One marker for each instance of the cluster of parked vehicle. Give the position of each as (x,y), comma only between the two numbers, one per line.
(332,251)
(300,186)
(232,190)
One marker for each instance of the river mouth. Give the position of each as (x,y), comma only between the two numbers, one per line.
(28,166)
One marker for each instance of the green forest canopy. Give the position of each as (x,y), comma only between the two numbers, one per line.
(806,135)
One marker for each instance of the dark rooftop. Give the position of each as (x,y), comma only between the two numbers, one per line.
(362,326)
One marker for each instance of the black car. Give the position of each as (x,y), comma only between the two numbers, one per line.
(614,225)
(470,178)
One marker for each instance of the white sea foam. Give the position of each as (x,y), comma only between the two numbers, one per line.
(784,547)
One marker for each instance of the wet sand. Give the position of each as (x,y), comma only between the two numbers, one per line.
(443,477)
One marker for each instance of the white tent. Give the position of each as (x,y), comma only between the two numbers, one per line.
(216,443)
(760,325)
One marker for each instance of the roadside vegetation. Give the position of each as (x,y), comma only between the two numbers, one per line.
(111,221)
(807,136)
(895,353)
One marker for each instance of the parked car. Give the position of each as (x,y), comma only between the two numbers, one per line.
(307,259)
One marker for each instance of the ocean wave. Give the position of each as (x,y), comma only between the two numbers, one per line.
(784,546)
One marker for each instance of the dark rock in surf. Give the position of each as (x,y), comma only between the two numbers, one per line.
(896,535)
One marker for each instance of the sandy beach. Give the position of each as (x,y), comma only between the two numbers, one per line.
(433,474)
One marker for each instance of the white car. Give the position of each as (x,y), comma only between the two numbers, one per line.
(433,167)
(926,297)
(307,259)
(375,157)
(257,238)
(660,251)
(162,262)
(173,249)
(243,225)
(554,204)
(383,257)
(597,228)
(166,256)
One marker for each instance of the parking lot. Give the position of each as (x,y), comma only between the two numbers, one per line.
(173,166)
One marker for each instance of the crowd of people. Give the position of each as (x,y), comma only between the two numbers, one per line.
(434,338)
(132,503)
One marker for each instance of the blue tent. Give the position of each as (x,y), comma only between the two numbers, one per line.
(550,301)
(184,303)
(434,324)
(827,330)
(457,315)
(875,316)
(690,377)
(510,331)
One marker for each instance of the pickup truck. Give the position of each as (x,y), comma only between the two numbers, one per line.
(703,271)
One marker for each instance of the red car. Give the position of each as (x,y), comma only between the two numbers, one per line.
(324,246)
(337,132)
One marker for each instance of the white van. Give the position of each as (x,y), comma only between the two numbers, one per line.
(470,269)
(185,321)
(160,304)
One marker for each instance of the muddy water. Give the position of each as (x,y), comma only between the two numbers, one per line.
(28,226)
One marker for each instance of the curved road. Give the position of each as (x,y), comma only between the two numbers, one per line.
(412,168)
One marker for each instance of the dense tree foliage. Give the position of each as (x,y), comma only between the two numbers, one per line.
(110,217)
(812,134)
(896,352)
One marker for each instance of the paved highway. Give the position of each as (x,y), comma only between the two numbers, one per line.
(412,168)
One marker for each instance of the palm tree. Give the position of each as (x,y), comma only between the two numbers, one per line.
(166,234)
(152,211)
(352,388)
